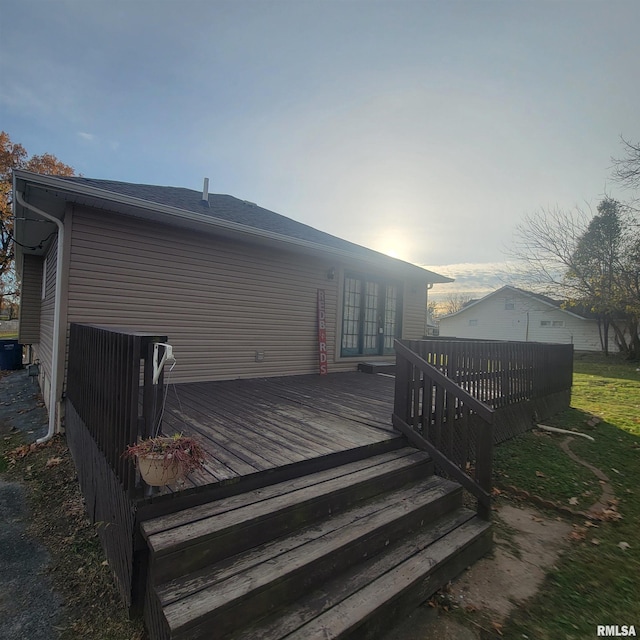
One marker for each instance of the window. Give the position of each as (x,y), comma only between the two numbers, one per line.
(552,323)
(473,322)
(509,304)
(371,319)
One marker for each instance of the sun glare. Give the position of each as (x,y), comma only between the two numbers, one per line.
(393,243)
(394,253)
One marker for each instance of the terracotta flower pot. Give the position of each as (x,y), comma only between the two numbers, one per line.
(157,471)
(162,460)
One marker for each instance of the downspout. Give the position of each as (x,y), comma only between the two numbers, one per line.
(53,399)
(426,310)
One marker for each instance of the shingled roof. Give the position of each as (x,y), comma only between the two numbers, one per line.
(239,212)
(577,310)
(223,207)
(221,214)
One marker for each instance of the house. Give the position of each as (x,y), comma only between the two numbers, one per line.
(315,514)
(514,314)
(233,285)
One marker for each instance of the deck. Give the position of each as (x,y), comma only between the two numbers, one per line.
(296,439)
(252,426)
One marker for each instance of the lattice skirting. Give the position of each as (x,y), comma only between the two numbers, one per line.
(105,501)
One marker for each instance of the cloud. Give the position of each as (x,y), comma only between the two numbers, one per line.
(472,279)
(89,137)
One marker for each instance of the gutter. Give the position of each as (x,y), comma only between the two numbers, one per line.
(53,395)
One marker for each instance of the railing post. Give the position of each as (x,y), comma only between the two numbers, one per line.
(484,464)
(401,401)
(152,393)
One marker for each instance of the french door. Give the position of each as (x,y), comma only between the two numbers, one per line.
(371,316)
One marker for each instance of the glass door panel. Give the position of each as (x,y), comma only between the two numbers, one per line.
(390,318)
(351,315)
(371,329)
(371,317)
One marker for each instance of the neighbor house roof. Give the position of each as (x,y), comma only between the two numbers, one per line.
(228,215)
(511,290)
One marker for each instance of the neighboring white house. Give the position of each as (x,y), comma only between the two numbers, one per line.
(514,314)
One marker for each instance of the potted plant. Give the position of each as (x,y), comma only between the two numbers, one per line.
(163,460)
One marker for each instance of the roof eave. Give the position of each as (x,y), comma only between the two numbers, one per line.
(78,189)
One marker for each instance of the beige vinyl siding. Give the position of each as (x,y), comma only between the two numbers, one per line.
(30,300)
(47,305)
(219,302)
(415,311)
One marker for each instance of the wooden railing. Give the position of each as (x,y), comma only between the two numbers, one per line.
(440,417)
(105,371)
(500,373)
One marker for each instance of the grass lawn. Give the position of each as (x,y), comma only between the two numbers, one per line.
(597,582)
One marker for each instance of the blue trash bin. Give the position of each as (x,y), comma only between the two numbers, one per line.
(10,355)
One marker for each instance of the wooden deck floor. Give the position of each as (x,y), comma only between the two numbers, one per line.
(253,426)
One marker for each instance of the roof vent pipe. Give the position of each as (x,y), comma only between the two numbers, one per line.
(205,193)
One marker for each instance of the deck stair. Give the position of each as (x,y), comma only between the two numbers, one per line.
(338,553)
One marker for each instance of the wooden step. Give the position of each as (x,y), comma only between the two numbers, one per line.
(371,597)
(260,581)
(191,539)
(377,367)
(178,588)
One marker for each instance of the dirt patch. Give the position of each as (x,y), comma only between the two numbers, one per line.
(525,550)
(607,496)
(527,545)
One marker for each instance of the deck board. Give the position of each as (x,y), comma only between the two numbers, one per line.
(257,425)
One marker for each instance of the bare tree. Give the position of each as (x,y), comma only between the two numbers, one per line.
(589,261)
(626,170)
(543,250)
(454,303)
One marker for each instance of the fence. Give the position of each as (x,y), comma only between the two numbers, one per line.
(500,374)
(442,418)
(456,398)
(105,371)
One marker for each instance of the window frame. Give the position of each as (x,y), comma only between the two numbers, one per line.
(384,287)
(552,324)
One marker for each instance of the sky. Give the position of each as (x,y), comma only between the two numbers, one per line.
(423,129)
